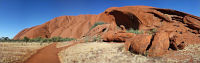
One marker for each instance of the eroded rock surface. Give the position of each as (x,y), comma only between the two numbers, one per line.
(136,17)
(160,44)
(138,43)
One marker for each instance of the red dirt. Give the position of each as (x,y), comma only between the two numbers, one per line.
(48,54)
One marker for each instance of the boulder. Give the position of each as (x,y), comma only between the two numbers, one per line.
(138,44)
(160,44)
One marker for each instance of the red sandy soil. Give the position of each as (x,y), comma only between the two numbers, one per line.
(48,54)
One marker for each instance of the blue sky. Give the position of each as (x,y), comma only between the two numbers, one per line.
(15,15)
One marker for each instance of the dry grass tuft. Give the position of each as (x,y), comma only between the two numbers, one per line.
(62,44)
(99,52)
(189,54)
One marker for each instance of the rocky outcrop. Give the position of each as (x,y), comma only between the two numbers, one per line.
(174,29)
(160,44)
(136,17)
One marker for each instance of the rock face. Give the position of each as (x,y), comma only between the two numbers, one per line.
(137,17)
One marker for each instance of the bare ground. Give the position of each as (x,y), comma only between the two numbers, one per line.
(48,54)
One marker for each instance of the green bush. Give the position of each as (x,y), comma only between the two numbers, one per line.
(96,24)
(26,39)
(135,31)
(44,40)
(56,39)
(38,39)
(97,38)
(152,31)
(67,39)
(59,39)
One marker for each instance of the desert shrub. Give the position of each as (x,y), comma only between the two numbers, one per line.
(59,39)
(146,53)
(92,38)
(135,31)
(67,39)
(49,40)
(152,31)
(26,39)
(45,40)
(38,39)
(97,38)
(86,39)
(96,24)
(56,39)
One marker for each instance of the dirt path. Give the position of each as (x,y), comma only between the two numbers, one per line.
(48,54)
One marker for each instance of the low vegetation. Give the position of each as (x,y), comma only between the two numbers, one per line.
(93,39)
(97,38)
(135,31)
(100,52)
(38,39)
(152,31)
(96,24)
(53,39)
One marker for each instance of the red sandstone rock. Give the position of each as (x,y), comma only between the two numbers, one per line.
(138,43)
(116,37)
(192,22)
(185,38)
(160,44)
(136,17)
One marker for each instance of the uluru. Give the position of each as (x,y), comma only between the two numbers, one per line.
(121,34)
(136,17)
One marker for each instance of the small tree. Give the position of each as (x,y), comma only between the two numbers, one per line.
(26,39)
(56,39)
(44,40)
(38,39)
(66,39)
